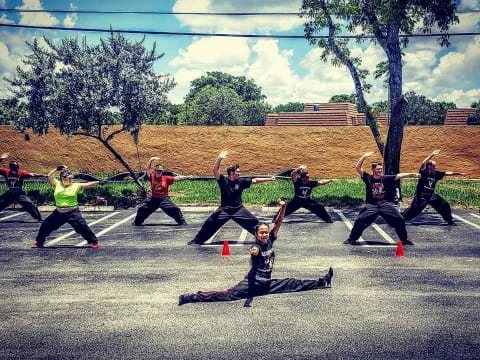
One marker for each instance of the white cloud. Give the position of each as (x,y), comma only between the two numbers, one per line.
(461,98)
(4,53)
(3,3)
(71,18)
(469,5)
(238,24)
(39,19)
(5,20)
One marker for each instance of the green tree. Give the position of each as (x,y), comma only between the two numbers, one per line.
(422,111)
(289,107)
(352,98)
(213,106)
(384,21)
(83,89)
(246,107)
(246,88)
(10,110)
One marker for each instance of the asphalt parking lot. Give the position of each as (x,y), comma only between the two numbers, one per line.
(120,301)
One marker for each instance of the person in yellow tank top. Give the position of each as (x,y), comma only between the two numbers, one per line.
(66,202)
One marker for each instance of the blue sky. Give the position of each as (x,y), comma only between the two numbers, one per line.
(287,70)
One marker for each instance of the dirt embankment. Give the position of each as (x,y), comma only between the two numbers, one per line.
(328,152)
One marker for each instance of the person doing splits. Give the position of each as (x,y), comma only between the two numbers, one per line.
(425,193)
(14,181)
(67,211)
(258,281)
(231,206)
(380,194)
(159,195)
(302,198)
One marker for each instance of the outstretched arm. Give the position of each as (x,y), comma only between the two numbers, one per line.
(89,184)
(359,166)
(279,218)
(262,180)
(452,173)
(149,165)
(216,166)
(183,177)
(325,182)
(428,158)
(3,156)
(407,175)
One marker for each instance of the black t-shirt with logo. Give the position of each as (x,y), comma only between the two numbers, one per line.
(426,183)
(231,191)
(379,189)
(14,179)
(304,191)
(262,264)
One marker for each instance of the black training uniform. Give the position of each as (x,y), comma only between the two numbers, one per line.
(303,199)
(231,207)
(425,195)
(258,281)
(380,195)
(14,180)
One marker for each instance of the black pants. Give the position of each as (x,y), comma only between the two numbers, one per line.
(11,196)
(314,206)
(241,290)
(370,212)
(57,219)
(153,204)
(240,215)
(419,203)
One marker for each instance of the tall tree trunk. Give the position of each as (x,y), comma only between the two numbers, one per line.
(395,131)
(371,121)
(124,163)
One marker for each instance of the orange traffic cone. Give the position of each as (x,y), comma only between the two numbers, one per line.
(226,249)
(400,252)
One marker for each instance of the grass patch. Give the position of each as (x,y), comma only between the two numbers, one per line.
(342,193)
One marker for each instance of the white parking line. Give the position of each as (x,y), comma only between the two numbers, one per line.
(11,216)
(56,240)
(466,221)
(104,231)
(475,215)
(384,234)
(349,225)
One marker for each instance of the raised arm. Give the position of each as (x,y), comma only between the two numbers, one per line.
(216,166)
(3,156)
(428,158)
(294,173)
(149,165)
(407,175)
(51,174)
(279,218)
(262,180)
(89,184)
(359,166)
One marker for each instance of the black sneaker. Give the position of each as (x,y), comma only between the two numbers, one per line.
(182,222)
(407,242)
(329,221)
(327,279)
(182,299)
(351,242)
(451,223)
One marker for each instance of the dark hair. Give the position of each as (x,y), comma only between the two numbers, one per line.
(13,164)
(375,164)
(429,163)
(303,174)
(65,174)
(231,169)
(260,225)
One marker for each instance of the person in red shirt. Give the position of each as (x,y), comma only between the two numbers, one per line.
(159,198)
(14,181)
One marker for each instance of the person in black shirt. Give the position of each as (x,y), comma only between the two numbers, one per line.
(258,280)
(14,181)
(425,193)
(231,206)
(303,187)
(380,195)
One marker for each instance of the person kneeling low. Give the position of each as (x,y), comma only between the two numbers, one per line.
(258,281)
(65,194)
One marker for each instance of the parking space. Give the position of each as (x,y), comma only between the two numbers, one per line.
(120,301)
